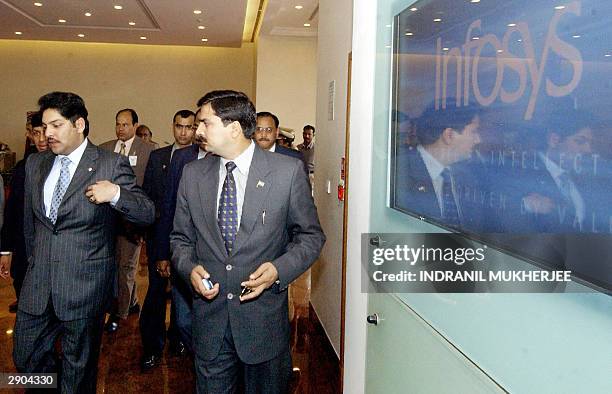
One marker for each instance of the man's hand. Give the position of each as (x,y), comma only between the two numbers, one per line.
(163,268)
(5,266)
(197,274)
(101,192)
(260,280)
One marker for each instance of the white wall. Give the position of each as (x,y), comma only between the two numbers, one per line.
(154,80)
(286,80)
(335,30)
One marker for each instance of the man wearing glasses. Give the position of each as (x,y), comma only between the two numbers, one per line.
(266,133)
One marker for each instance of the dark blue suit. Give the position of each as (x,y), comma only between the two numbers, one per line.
(153,315)
(292,153)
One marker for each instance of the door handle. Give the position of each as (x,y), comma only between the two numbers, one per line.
(373,319)
(377,241)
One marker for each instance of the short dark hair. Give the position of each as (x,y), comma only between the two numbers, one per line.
(143,127)
(433,122)
(36,119)
(309,127)
(132,113)
(70,105)
(266,114)
(232,106)
(183,113)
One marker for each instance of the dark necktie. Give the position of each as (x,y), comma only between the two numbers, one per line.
(227,216)
(450,214)
(60,188)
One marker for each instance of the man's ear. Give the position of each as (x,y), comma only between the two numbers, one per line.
(553,139)
(236,128)
(80,125)
(448,135)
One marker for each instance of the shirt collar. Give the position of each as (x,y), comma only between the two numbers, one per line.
(77,154)
(272,148)
(243,161)
(128,143)
(434,167)
(554,170)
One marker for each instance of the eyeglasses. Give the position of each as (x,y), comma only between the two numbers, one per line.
(264,129)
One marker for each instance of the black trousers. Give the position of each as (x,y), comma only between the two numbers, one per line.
(34,348)
(228,374)
(153,315)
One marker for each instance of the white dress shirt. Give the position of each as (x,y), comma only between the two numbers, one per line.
(201,153)
(75,158)
(555,171)
(128,145)
(272,148)
(241,175)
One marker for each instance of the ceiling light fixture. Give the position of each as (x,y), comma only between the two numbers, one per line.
(204,39)
(88,14)
(61,20)
(201,27)
(576,36)
(298,7)
(511,24)
(607,55)
(475,38)
(500,50)
(306,24)
(445,49)
(118,7)
(18,33)
(9,331)
(409,33)
(81,35)
(437,20)
(143,37)
(38,4)
(131,23)
(560,7)
(475,1)
(197,12)
(413,9)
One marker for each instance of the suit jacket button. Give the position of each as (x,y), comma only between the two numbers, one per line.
(55,232)
(229,267)
(230,296)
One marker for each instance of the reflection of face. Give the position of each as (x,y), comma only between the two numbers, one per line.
(465,141)
(217,137)
(37,136)
(144,133)
(307,135)
(266,132)
(577,144)
(63,136)
(183,130)
(124,127)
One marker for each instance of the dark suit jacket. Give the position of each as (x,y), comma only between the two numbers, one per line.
(289,236)
(72,263)
(168,205)
(12,234)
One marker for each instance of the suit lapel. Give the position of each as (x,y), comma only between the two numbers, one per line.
(207,187)
(85,170)
(38,196)
(257,188)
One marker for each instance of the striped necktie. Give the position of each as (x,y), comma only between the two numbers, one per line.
(450,213)
(60,188)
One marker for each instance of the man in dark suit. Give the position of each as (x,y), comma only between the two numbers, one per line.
(153,315)
(245,219)
(429,176)
(129,238)
(13,242)
(266,134)
(74,194)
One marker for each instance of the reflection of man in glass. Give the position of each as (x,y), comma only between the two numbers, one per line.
(427,176)
(554,198)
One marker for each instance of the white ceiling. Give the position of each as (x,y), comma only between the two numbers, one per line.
(162,22)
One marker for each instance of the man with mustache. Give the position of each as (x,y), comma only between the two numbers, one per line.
(266,134)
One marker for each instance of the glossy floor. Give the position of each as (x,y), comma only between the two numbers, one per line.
(119,363)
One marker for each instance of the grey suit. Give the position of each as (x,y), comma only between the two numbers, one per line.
(279,224)
(128,247)
(70,277)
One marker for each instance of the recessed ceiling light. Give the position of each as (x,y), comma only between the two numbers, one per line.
(38,4)
(197,12)
(409,33)
(88,14)
(298,7)
(61,20)
(576,36)
(306,24)
(437,20)
(413,9)
(500,50)
(511,24)
(475,1)
(81,35)
(559,7)
(475,38)
(131,23)
(201,27)
(445,49)
(520,40)
(607,55)
(143,37)
(18,33)
(204,39)
(118,7)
